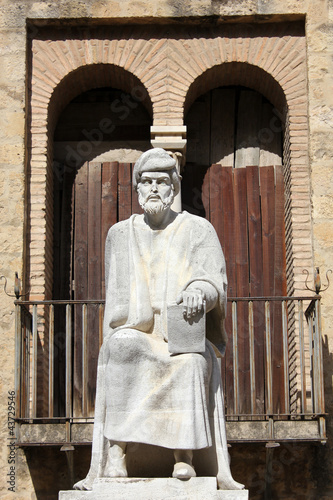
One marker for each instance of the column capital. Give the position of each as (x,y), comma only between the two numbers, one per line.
(169,137)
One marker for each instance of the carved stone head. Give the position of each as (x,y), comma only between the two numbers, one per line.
(156,160)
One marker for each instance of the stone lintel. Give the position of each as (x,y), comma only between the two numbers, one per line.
(196,488)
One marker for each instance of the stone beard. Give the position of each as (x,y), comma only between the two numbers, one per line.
(155,206)
(144,393)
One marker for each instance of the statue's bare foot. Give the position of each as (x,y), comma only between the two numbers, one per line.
(84,484)
(116,468)
(116,461)
(183,468)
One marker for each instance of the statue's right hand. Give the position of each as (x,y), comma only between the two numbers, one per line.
(192,302)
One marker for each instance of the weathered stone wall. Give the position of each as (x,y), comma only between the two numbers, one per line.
(320,70)
(316,481)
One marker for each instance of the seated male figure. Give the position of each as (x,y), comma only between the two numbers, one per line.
(145,394)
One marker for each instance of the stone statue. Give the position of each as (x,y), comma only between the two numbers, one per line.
(145,394)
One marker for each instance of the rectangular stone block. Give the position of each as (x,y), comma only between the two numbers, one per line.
(186,335)
(196,488)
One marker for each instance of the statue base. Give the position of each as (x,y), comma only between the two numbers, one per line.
(196,488)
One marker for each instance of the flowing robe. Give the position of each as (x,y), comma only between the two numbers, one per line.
(145,394)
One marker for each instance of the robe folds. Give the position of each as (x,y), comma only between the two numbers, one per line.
(144,393)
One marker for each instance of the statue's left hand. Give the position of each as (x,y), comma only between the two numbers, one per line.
(192,302)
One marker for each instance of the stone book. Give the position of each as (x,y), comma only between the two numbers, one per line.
(186,335)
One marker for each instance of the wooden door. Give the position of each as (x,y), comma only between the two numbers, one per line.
(246,207)
(234,178)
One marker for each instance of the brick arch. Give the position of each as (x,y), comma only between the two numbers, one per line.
(168,64)
(191,62)
(46,110)
(94,76)
(274,66)
(237,73)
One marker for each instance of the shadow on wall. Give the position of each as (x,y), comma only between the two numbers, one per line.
(49,469)
(292,475)
(58,473)
(323,465)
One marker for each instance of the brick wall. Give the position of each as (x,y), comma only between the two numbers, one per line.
(169,67)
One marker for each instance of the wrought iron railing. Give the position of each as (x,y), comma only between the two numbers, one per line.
(290,336)
(256,323)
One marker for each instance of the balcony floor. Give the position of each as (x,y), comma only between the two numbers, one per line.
(80,433)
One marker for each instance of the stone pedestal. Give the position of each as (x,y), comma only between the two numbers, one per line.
(197,488)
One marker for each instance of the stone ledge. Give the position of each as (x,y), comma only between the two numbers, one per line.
(240,431)
(197,488)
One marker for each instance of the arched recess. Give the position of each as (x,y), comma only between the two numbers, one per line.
(237,73)
(235,176)
(92,76)
(97,129)
(260,124)
(126,108)
(72,85)
(171,67)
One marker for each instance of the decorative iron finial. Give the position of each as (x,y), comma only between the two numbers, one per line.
(17,287)
(317,281)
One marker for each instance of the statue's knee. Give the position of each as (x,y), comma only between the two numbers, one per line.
(197,360)
(125,344)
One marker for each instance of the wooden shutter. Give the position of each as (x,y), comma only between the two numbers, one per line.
(103,196)
(230,180)
(246,207)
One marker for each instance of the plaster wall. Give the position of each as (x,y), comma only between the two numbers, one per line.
(318,467)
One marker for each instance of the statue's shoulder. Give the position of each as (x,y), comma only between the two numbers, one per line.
(120,228)
(197,221)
